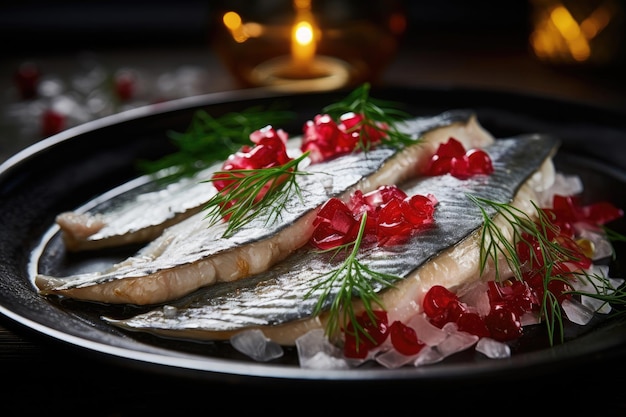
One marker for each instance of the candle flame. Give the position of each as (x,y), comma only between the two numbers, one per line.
(303,35)
(303,43)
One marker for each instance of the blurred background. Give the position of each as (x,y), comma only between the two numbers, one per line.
(68,62)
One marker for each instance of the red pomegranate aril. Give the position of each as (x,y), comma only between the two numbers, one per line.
(451,149)
(325,139)
(404,339)
(503,324)
(419,210)
(437,299)
(472,323)
(602,213)
(328,210)
(342,222)
(459,167)
(452,158)
(437,166)
(350,121)
(450,314)
(391,219)
(479,162)
(384,194)
(324,237)
(514,294)
(374,331)
(352,350)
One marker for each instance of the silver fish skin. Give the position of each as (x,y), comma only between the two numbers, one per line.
(190,255)
(447,254)
(135,212)
(139,211)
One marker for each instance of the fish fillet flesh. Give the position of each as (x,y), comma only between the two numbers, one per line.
(190,254)
(447,254)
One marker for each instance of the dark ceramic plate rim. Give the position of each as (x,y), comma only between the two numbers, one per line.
(507,113)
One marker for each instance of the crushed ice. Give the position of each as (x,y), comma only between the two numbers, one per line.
(576,312)
(254,344)
(562,185)
(316,352)
(492,348)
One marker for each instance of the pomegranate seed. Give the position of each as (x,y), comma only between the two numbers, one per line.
(503,324)
(437,299)
(474,324)
(452,158)
(377,330)
(479,162)
(404,339)
(451,149)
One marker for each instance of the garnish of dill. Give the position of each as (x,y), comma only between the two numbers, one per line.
(239,203)
(210,139)
(381,116)
(351,279)
(494,243)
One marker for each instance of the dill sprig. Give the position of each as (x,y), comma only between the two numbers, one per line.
(353,279)
(375,112)
(604,291)
(239,202)
(494,242)
(210,139)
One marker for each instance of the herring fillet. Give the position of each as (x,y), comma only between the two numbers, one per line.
(135,212)
(447,254)
(139,210)
(190,255)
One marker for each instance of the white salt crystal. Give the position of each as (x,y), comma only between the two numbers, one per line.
(492,348)
(428,356)
(576,312)
(426,332)
(394,359)
(456,342)
(322,360)
(316,352)
(563,185)
(530,318)
(254,344)
(476,296)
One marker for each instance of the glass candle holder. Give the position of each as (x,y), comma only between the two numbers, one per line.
(587,33)
(302,45)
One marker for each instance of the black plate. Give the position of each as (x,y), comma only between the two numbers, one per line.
(66,170)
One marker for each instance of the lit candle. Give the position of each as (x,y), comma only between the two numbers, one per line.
(303,70)
(303,45)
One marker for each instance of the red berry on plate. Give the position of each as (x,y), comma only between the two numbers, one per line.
(52,122)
